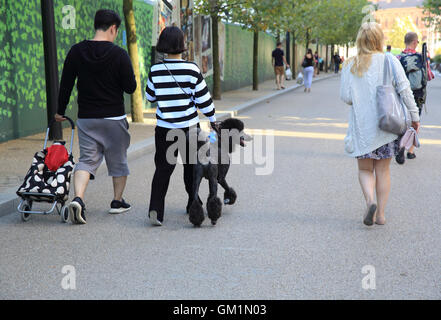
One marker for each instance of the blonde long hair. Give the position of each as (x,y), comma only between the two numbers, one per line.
(370,40)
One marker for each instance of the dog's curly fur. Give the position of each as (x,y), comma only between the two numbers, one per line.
(216,173)
(196,214)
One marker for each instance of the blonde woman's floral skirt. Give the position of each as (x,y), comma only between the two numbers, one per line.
(386,151)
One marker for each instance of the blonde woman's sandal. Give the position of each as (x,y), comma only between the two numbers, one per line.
(369,217)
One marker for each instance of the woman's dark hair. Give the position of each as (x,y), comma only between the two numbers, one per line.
(105,18)
(171,40)
(278,44)
(309,51)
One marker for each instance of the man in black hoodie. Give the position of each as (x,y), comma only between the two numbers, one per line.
(104,73)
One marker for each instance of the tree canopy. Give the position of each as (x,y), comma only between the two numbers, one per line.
(433,9)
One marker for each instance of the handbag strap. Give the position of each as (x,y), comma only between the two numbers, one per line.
(188,96)
(386,71)
(388,65)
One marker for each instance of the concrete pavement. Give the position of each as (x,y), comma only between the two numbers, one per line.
(296,233)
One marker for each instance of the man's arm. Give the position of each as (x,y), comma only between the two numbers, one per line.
(128,79)
(66,85)
(284,60)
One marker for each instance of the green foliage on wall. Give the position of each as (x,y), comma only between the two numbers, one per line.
(144,29)
(22,67)
(22,85)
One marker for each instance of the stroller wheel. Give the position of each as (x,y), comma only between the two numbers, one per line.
(64,213)
(26,216)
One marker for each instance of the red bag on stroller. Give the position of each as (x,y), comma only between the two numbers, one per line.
(56,156)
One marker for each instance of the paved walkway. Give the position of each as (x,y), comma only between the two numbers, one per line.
(296,233)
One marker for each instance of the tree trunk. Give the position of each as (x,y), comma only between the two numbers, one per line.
(216,64)
(327,61)
(307,40)
(293,64)
(332,56)
(136,99)
(347,50)
(256,61)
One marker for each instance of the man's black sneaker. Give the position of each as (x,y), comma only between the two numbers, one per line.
(400,156)
(411,155)
(77,211)
(119,206)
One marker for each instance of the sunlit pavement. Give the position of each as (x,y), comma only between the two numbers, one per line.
(295,233)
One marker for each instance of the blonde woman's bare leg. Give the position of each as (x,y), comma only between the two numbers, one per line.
(367,179)
(367,182)
(382,173)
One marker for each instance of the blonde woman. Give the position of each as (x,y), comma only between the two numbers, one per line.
(365,141)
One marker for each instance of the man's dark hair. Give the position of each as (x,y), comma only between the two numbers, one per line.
(389,47)
(105,18)
(278,44)
(171,40)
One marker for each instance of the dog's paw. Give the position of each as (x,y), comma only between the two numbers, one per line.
(230,196)
(214,209)
(196,214)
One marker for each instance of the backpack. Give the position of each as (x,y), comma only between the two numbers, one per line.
(415,69)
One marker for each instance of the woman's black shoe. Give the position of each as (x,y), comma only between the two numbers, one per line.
(411,155)
(400,157)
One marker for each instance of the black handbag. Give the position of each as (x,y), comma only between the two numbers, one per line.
(304,63)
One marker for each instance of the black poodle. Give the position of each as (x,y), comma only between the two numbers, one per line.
(213,165)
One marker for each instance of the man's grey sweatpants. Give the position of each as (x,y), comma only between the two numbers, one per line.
(106,138)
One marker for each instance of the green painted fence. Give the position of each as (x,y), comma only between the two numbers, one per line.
(238,69)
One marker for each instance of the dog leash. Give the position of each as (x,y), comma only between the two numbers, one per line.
(188,96)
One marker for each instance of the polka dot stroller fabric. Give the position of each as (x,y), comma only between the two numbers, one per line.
(40,179)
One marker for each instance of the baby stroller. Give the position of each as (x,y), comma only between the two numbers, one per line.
(48,179)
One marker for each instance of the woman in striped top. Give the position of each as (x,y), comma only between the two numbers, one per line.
(179,89)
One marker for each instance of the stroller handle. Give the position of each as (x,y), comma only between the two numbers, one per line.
(72,124)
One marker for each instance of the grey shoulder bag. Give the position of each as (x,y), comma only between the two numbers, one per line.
(392,114)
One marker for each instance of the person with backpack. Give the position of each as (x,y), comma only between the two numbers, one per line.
(179,89)
(416,71)
(103,72)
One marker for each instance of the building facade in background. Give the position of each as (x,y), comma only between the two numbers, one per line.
(406,13)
